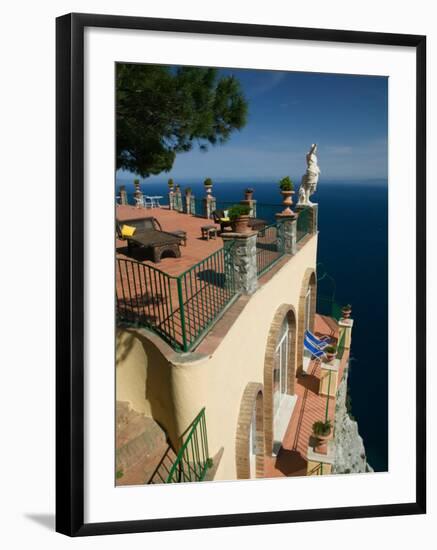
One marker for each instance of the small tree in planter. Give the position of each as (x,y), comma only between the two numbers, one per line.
(170,184)
(346,311)
(239,216)
(331,352)
(188,191)
(287,189)
(321,434)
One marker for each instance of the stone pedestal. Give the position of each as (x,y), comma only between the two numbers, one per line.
(346,325)
(171,202)
(318,463)
(241,251)
(329,378)
(287,233)
(138,194)
(178,201)
(252,205)
(193,205)
(313,213)
(209,205)
(123,195)
(188,204)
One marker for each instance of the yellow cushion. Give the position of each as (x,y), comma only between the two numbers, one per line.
(224,219)
(127,231)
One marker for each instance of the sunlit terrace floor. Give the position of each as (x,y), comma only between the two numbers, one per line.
(310,407)
(196,249)
(148,293)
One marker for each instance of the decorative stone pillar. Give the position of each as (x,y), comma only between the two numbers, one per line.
(123,195)
(318,463)
(171,201)
(188,203)
(178,200)
(193,205)
(209,205)
(329,378)
(138,194)
(241,257)
(345,325)
(287,233)
(313,213)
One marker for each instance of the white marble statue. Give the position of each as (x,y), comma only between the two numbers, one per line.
(308,185)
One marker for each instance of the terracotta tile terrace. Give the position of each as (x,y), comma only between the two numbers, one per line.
(196,248)
(310,407)
(179,298)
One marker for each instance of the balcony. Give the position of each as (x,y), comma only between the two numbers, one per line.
(311,406)
(180,299)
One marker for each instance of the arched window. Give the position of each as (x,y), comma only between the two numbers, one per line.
(306,314)
(249,448)
(279,377)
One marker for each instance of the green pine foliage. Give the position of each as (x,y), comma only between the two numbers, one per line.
(162,111)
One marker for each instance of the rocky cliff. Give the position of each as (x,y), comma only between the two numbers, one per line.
(350,454)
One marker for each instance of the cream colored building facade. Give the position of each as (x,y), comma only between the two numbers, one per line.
(243,371)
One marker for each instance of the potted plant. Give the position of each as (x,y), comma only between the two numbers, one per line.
(248,193)
(321,434)
(331,352)
(188,191)
(239,217)
(208,185)
(170,184)
(287,189)
(177,188)
(137,186)
(346,311)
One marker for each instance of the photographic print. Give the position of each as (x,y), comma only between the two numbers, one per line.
(251,274)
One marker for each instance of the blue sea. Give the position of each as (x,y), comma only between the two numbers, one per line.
(353,250)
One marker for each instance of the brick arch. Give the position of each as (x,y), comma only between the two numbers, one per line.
(285,311)
(309,281)
(252,397)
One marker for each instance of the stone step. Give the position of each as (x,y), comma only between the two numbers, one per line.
(130,424)
(149,468)
(140,446)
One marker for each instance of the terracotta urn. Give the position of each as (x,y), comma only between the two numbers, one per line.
(248,194)
(241,224)
(321,443)
(330,355)
(287,202)
(346,312)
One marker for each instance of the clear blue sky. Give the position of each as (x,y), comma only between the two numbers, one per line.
(345,115)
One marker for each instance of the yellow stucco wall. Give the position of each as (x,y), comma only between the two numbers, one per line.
(144,379)
(217,381)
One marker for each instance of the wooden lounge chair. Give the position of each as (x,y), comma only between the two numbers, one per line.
(149,234)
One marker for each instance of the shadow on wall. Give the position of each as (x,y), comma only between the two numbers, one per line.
(140,356)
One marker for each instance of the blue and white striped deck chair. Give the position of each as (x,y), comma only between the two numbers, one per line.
(314,350)
(321,343)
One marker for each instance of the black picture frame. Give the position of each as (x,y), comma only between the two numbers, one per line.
(70,273)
